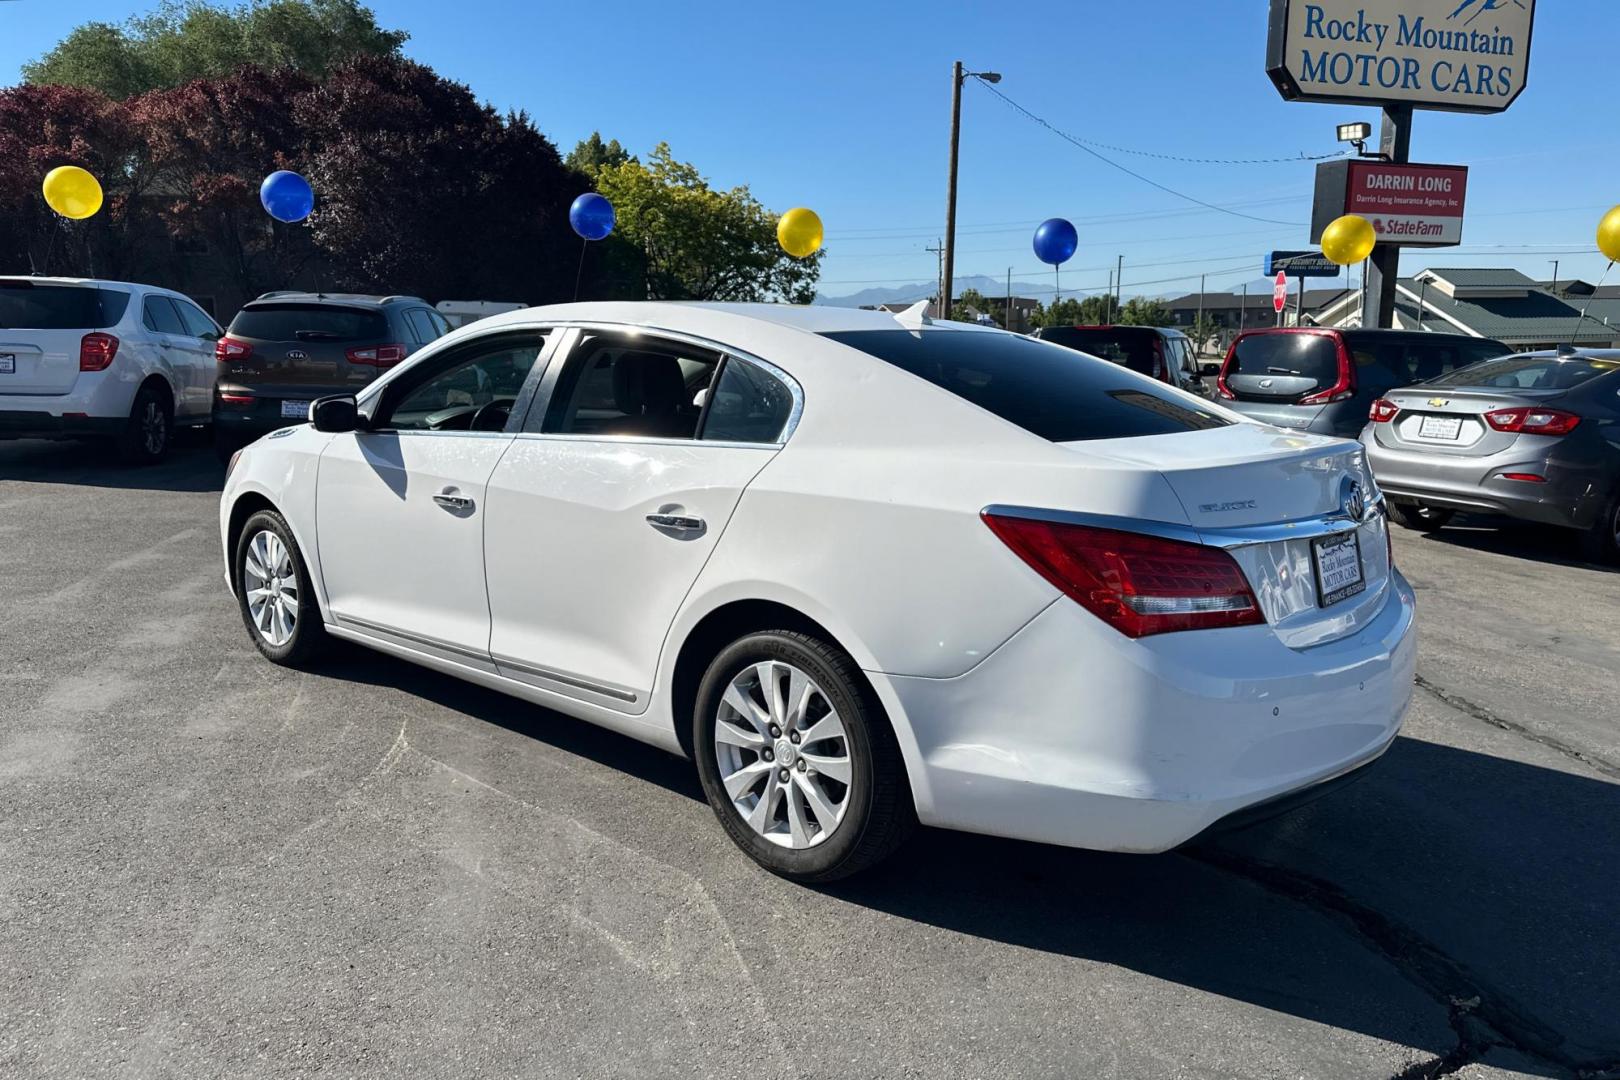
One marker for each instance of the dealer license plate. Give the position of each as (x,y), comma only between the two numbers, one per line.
(298,410)
(1440,427)
(1338,567)
(8,363)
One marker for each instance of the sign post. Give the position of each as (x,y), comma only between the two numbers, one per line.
(1399,55)
(1279,295)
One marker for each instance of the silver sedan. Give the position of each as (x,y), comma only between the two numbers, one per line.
(1533,435)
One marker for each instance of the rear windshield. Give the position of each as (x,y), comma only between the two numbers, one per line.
(1121,344)
(309,322)
(25,305)
(1529,373)
(1310,356)
(1050,392)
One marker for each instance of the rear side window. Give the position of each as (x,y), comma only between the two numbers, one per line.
(197,324)
(748,404)
(158,314)
(1049,392)
(25,305)
(1310,356)
(1529,373)
(309,322)
(1123,345)
(421,325)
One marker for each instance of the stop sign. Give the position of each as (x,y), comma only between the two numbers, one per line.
(1279,295)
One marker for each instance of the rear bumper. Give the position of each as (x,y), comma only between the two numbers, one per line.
(1341,418)
(29,424)
(1072,734)
(248,420)
(1572,497)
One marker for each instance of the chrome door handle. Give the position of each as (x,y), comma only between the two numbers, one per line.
(453,502)
(677,522)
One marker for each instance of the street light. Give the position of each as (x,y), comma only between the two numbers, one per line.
(1356,134)
(957,75)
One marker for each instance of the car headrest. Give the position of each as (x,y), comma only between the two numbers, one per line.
(647,384)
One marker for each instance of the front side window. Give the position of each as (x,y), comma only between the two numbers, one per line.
(475,392)
(631,384)
(1050,392)
(748,404)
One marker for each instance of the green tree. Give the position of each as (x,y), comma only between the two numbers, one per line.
(182,41)
(700,243)
(974,299)
(591,154)
(1144,311)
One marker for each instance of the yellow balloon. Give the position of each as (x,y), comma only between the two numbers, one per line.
(1348,239)
(799,232)
(1609,235)
(72,192)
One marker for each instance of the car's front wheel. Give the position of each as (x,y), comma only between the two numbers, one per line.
(274,593)
(1420,516)
(797,758)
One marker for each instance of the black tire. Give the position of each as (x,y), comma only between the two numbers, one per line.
(878,813)
(308,639)
(1601,542)
(1419,516)
(149,430)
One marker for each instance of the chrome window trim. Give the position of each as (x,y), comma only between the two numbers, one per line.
(1232,537)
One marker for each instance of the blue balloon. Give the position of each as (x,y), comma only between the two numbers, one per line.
(1055,241)
(286,196)
(591,216)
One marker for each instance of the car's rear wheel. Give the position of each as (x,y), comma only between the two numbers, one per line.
(149,429)
(1601,542)
(1419,516)
(797,758)
(274,592)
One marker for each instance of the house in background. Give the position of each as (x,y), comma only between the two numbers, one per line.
(1503,304)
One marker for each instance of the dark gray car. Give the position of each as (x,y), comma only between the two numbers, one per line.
(1533,435)
(286,349)
(1323,379)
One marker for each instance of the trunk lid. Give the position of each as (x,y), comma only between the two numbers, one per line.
(1276,501)
(302,345)
(42,325)
(1452,420)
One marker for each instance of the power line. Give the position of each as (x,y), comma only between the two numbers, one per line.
(1081,145)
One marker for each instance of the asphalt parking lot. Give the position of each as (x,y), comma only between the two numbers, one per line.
(210,866)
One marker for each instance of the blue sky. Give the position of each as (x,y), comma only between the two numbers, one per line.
(844,107)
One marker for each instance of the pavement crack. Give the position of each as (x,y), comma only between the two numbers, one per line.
(1481,1016)
(1486,716)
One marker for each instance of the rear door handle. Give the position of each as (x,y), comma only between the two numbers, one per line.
(676,522)
(451,501)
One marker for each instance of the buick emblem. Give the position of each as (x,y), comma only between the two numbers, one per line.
(297,354)
(1352,501)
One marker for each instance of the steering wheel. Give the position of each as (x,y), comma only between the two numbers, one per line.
(492,415)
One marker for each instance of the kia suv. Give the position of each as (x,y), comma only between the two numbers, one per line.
(1324,380)
(286,349)
(88,359)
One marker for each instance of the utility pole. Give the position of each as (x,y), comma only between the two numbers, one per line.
(957,75)
(1108,299)
(1555,277)
(939,273)
(1198,327)
(1007,325)
(1378,279)
(1119,279)
(1243,312)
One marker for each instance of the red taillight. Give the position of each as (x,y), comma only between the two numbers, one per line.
(227,349)
(1161,370)
(1344,387)
(236,399)
(1526,477)
(377,355)
(96,351)
(1526,421)
(1137,584)
(1226,365)
(1383,411)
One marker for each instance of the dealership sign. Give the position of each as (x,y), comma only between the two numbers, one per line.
(1410,205)
(1301,264)
(1463,55)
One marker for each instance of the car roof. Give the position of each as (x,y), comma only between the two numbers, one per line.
(1577,354)
(695,316)
(81,281)
(297,296)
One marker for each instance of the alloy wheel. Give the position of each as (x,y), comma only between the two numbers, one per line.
(783,754)
(271,585)
(154,429)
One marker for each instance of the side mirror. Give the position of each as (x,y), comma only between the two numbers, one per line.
(1210,370)
(334,414)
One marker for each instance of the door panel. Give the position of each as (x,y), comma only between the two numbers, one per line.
(400,520)
(582,586)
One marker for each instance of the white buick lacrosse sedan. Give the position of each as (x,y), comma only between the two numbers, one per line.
(865,570)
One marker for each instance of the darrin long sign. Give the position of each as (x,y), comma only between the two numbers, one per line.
(1461,55)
